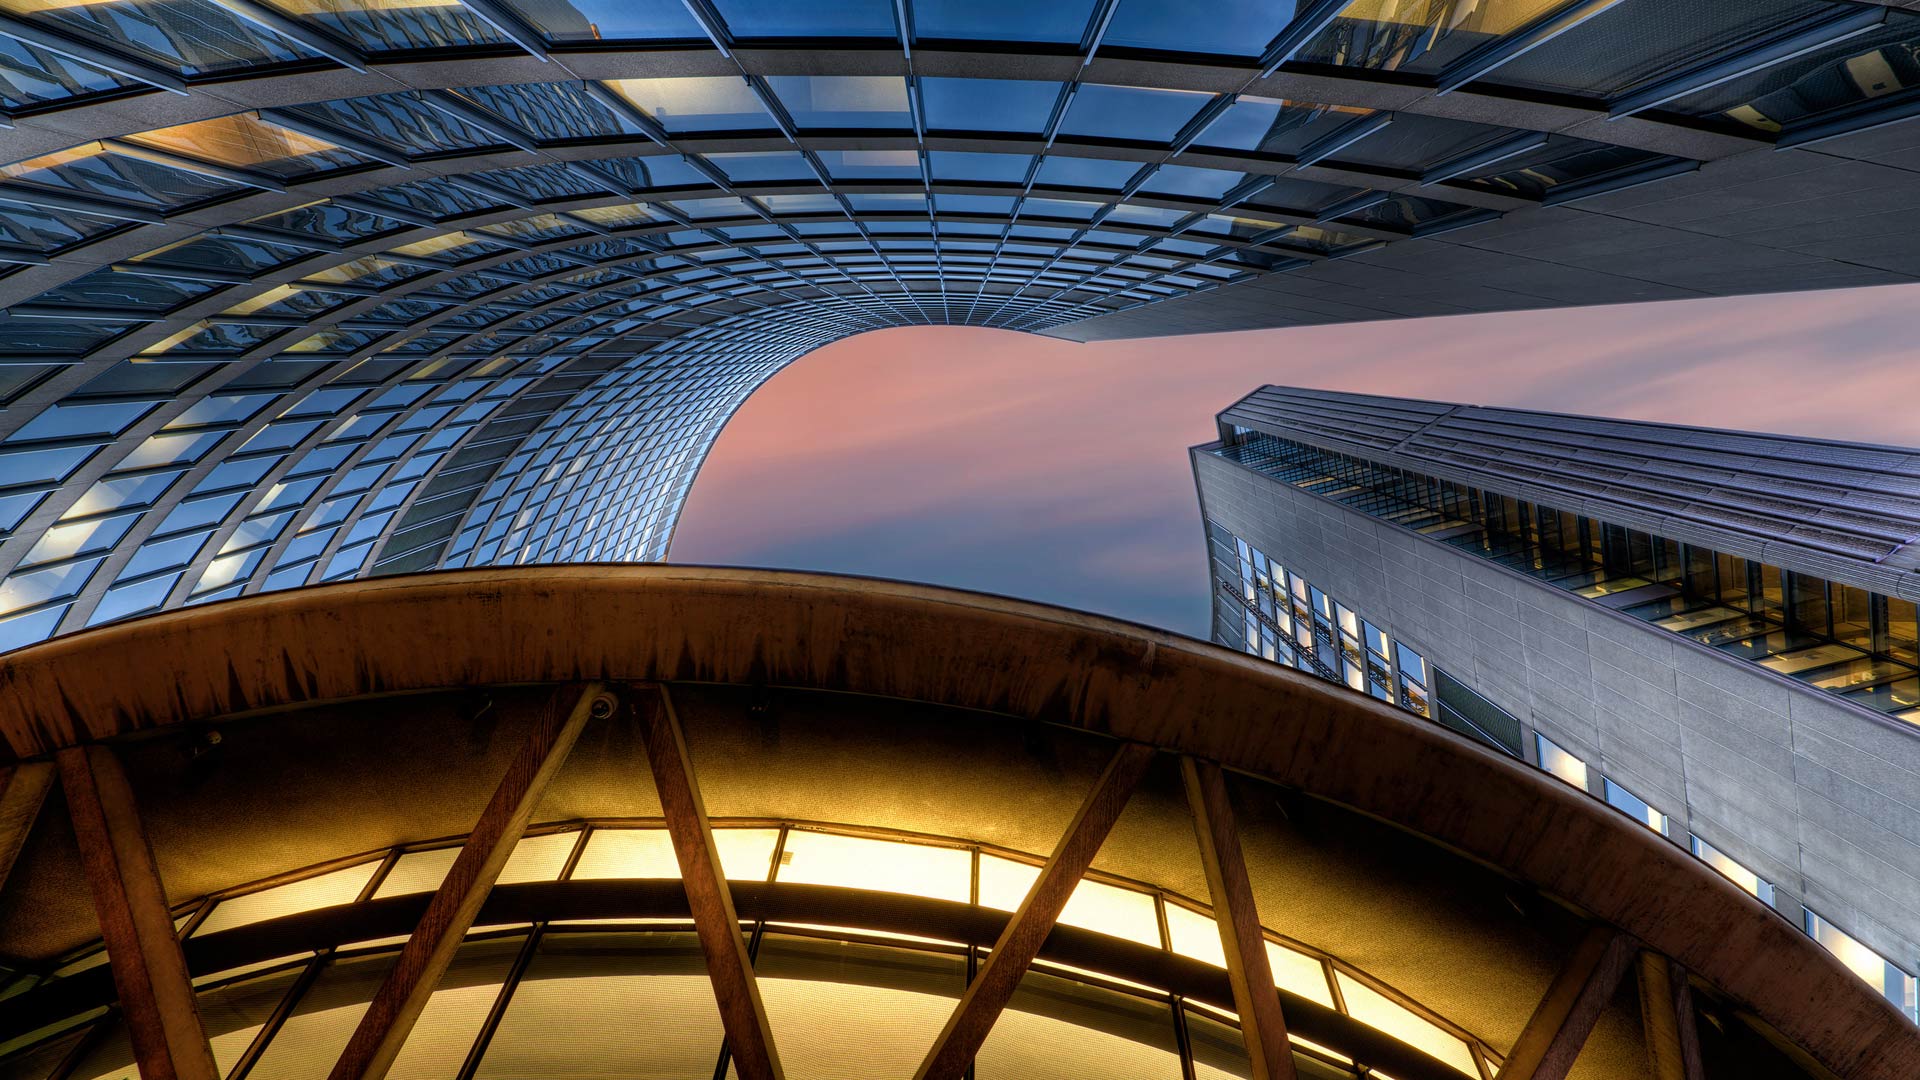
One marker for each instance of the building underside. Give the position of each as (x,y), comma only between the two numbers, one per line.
(853,789)
(305,291)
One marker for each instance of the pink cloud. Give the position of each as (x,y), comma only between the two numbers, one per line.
(950,427)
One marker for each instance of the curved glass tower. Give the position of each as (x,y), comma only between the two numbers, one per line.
(303,290)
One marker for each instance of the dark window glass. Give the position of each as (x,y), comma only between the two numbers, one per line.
(1807,604)
(1132,113)
(380,27)
(1103,174)
(988,104)
(807,18)
(32,76)
(1056,21)
(585,21)
(844,101)
(959,165)
(196,39)
(1225,27)
(1880,64)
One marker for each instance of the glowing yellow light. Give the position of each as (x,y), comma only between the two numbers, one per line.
(1108,909)
(1256,225)
(1490,17)
(1094,905)
(266,299)
(321,890)
(103,495)
(1376,1010)
(538,858)
(885,865)
(624,214)
(1299,973)
(434,245)
(349,272)
(60,541)
(1731,870)
(315,342)
(22,169)
(628,853)
(1195,935)
(223,571)
(745,854)
(844,1028)
(1857,957)
(530,227)
(1004,883)
(162,450)
(1563,765)
(243,140)
(864,932)
(534,858)
(173,340)
(1754,118)
(1317,106)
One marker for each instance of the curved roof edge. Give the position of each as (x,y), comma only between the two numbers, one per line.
(918,642)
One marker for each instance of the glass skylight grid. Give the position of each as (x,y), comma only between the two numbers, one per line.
(715,218)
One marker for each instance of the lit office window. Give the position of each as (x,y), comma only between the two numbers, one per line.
(1896,985)
(1413,680)
(1833,637)
(1379,668)
(1731,870)
(1352,664)
(1633,805)
(1559,762)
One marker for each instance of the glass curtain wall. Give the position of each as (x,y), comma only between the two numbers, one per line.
(1832,636)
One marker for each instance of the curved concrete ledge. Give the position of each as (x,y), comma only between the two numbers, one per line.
(445,630)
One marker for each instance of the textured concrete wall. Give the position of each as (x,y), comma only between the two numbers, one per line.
(1817,797)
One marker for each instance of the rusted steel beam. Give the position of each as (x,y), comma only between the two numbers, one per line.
(1263,1027)
(1565,1016)
(1020,942)
(23,788)
(749,1039)
(1666,1016)
(384,1027)
(149,972)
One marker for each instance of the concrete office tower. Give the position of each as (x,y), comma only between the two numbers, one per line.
(1713,631)
(298,291)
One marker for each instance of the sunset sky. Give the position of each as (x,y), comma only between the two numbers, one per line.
(1054,471)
